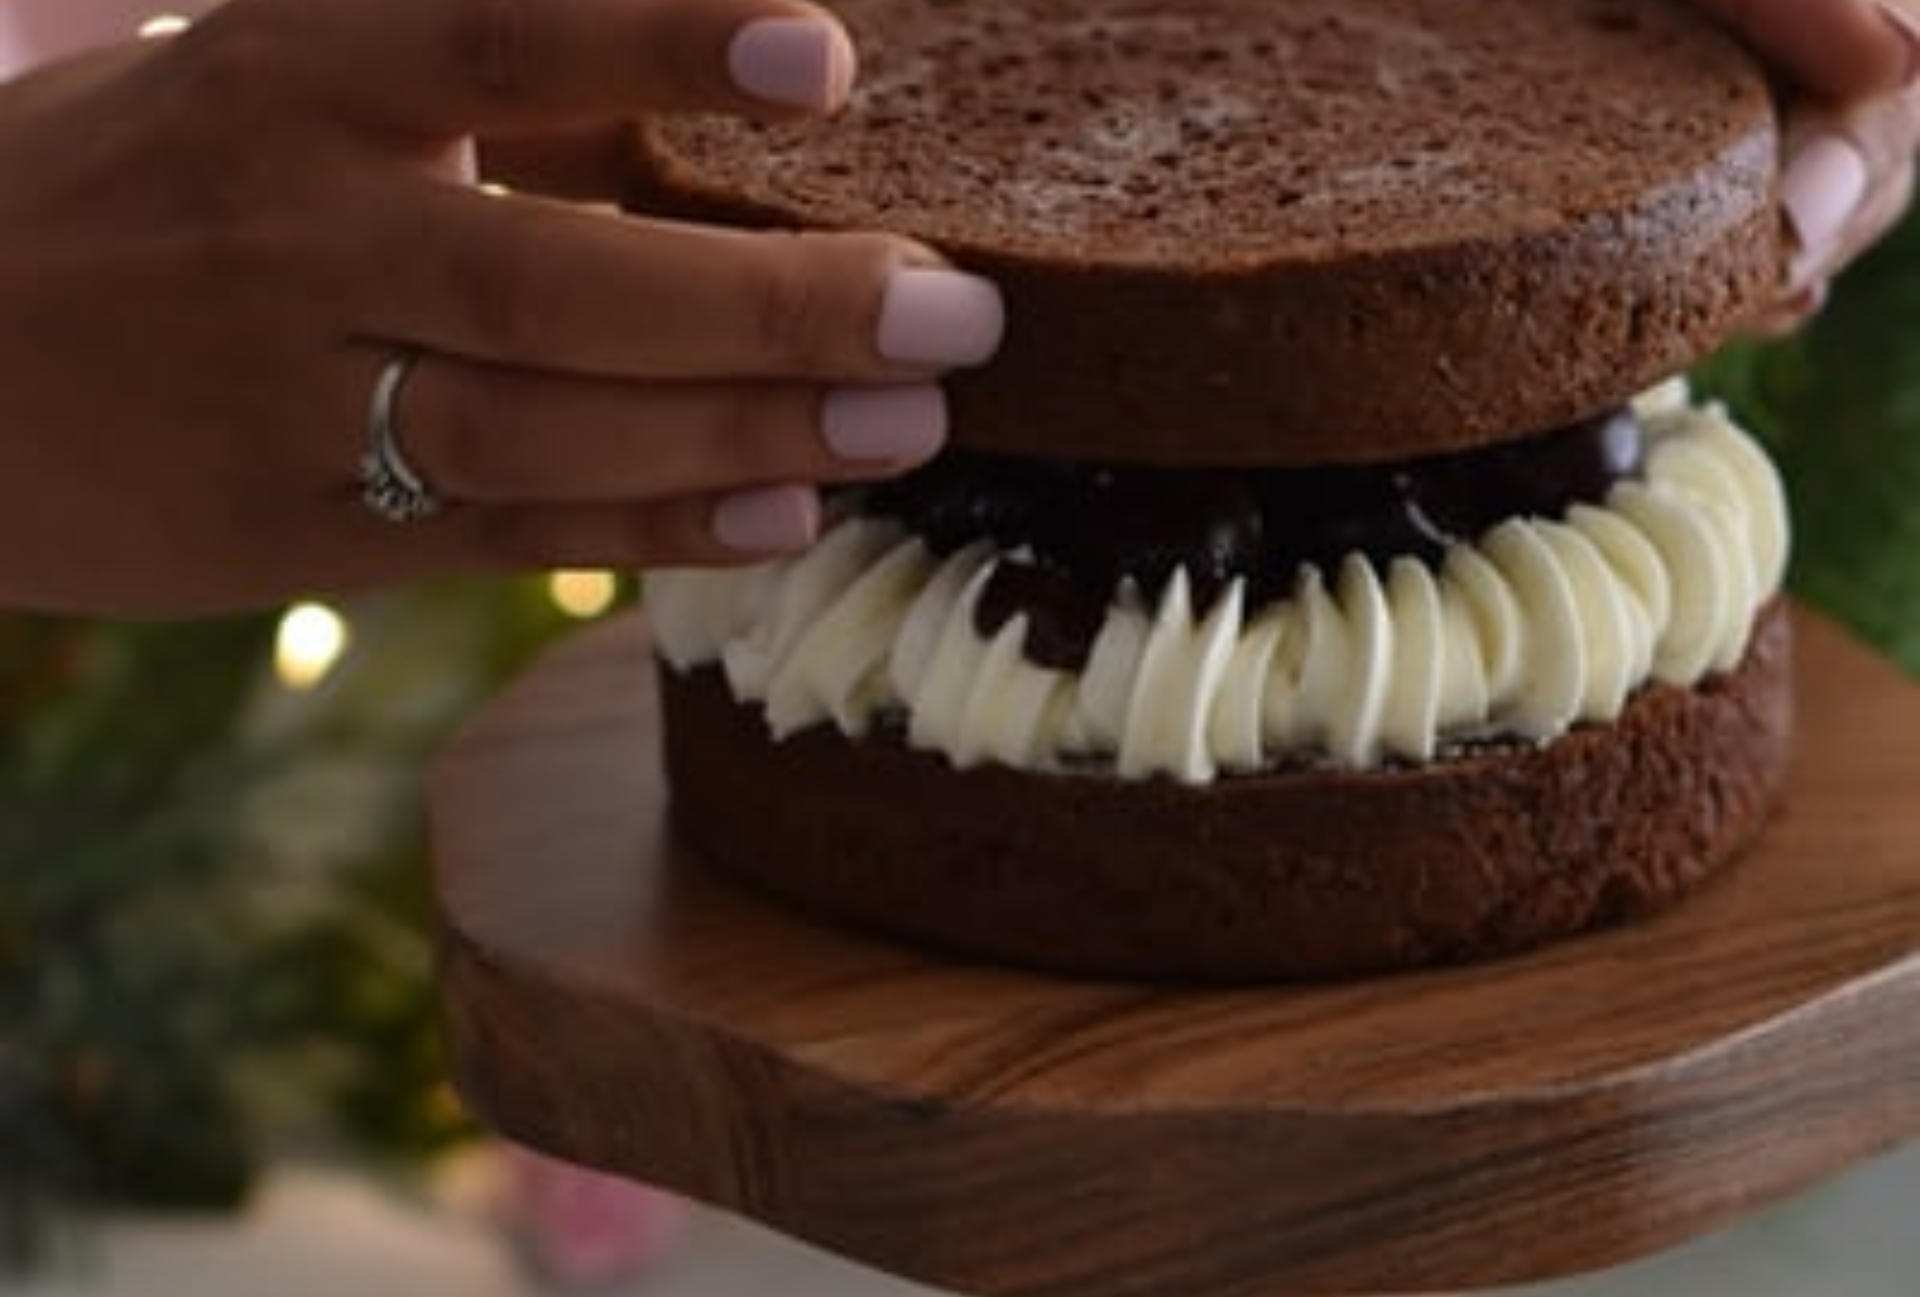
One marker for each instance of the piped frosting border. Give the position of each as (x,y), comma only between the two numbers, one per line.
(1540,625)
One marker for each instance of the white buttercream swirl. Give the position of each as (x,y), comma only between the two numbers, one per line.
(1541,625)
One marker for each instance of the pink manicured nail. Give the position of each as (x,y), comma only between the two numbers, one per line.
(1822,185)
(902,425)
(769,520)
(795,62)
(939,317)
(1908,25)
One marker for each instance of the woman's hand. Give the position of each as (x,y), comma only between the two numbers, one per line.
(1852,131)
(212,248)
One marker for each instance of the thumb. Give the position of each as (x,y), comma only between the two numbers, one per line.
(1840,50)
(1848,177)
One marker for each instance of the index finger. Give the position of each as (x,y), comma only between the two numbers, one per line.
(441,68)
(1842,50)
(534,284)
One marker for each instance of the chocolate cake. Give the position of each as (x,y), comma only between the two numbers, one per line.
(1283,233)
(1324,580)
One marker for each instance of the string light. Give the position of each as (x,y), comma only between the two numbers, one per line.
(162,25)
(582,594)
(310,639)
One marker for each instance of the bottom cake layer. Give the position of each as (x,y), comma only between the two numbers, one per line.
(1295,873)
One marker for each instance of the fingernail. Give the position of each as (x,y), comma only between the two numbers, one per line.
(794,62)
(939,317)
(902,425)
(1819,190)
(1808,301)
(768,520)
(1908,25)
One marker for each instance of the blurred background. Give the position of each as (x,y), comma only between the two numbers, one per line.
(218,1063)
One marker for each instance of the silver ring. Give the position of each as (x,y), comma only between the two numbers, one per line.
(389,485)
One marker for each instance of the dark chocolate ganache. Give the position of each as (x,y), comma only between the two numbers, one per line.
(1084,528)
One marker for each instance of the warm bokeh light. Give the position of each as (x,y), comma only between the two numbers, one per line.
(310,640)
(582,594)
(163,25)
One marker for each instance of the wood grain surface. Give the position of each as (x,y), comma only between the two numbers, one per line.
(997,1132)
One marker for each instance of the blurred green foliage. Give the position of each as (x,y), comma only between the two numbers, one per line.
(213,936)
(1839,406)
(117,758)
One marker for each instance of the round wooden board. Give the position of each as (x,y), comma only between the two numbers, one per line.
(997,1132)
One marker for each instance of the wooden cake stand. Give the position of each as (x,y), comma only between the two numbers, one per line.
(997,1132)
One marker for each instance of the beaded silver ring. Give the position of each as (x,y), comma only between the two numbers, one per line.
(390,485)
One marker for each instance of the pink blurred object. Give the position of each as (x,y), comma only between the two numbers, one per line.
(581,1229)
(33,31)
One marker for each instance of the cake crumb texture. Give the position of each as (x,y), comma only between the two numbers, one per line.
(1293,874)
(1237,231)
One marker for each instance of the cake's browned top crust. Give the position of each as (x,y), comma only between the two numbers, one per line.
(1224,225)
(1220,133)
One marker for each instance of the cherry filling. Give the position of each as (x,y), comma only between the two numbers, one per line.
(1084,528)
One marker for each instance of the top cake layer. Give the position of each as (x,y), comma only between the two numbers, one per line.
(1241,231)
